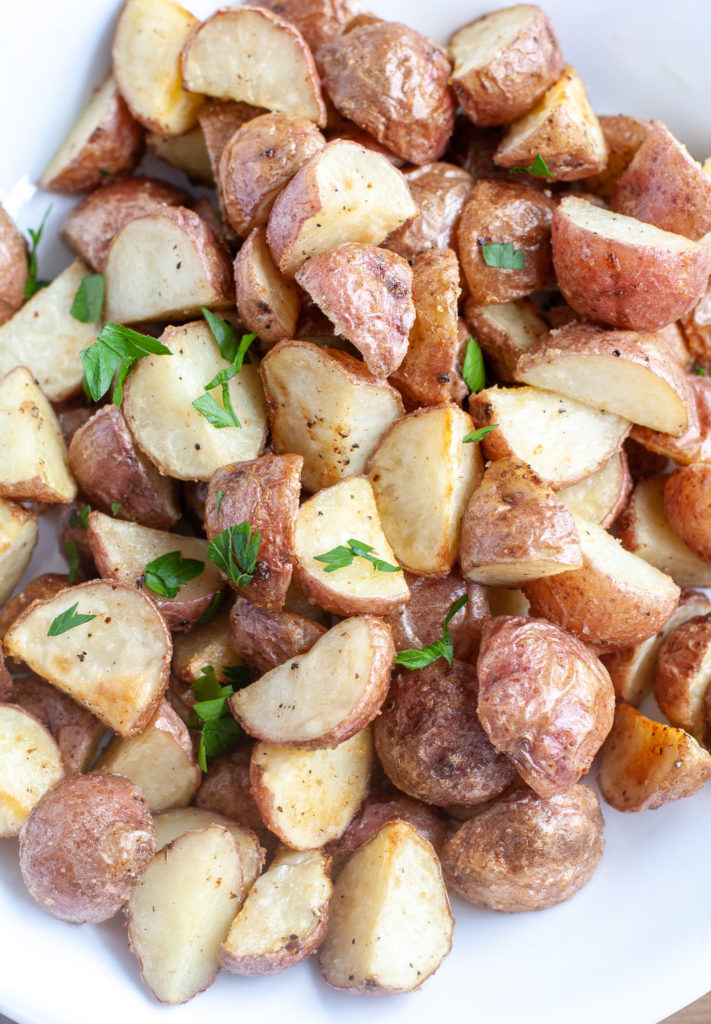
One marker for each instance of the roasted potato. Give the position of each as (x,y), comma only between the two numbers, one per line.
(694,445)
(171,824)
(623,135)
(13,267)
(389,804)
(225,789)
(687,504)
(439,191)
(504,330)
(267,302)
(419,623)
(186,152)
(30,765)
(219,120)
(18,537)
(266,638)
(682,676)
(319,21)
(600,497)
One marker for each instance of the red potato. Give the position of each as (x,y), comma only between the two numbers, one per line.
(601,497)
(104,141)
(504,62)
(319,21)
(683,675)
(347,130)
(19,531)
(46,585)
(366,292)
(544,700)
(176,822)
(439,191)
(393,82)
(687,504)
(267,303)
(75,730)
(219,120)
(30,765)
(266,638)
(623,135)
(186,152)
(226,790)
(13,267)
(504,331)
(619,271)
(694,445)
(696,328)
(389,804)
(204,644)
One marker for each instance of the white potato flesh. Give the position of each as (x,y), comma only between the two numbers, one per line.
(597,498)
(517,320)
(334,417)
(290,706)
(18,536)
(158,396)
(30,764)
(423,477)
(283,915)
(249,54)
(204,645)
(619,228)
(187,152)
(46,338)
(476,45)
(149,39)
(34,462)
(268,304)
(608,556)
(344,193)
(171,824)
(180,911)
(390,925)
(308,797)
(116,665)
(331,518)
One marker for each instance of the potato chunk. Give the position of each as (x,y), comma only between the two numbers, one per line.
(600,497)
(176,822)
(439,190)
(30,764)
(13,267)
(504,331)
(379,939)
(687,500)
(18,537)
(266,639)
(683,675)
(267,303)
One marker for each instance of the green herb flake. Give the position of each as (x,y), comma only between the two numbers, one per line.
(115,507)
(699,371)
(218,500)
(439,649)
(104,173)
(342,556)
(234,551)
(209,614)
(232,348)
(479,435)
(215,414)
(68,620)
(166,574)
(116,350)
(502,255)
(89,299)
(33,284)
(219,732)
(473,367)
(537,168)
(80,518)
(72,550)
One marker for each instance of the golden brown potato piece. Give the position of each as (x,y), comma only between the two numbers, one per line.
(623,135)
(30,765)
(389,804)
(372,918)
(252,55)
(515,528)
(104,141)
(19,530)
(13,267)
(363,74)
(504,62)
(7,690)
(430,740)
(225,789)
(419,623)
(615,600)
(289,707)
(149,39)
(319,21)
(219,120)
(430,372)
(121,683)
(258,161)
(266,639)
(694,445)
(651,278)
(204,645)
(645,764)
(366,292)
(267,303)
(84,845)
(696,328)
(601,496)
(75,730)
(171,824)
(284,917)
(109,468)
(90,226)
(525,852)
(562,129)
(687,504)
(166,265)
(665,186)
(265,494)
(683,675)
(545,701)
(345,193)
(503,331)
(334,418)
(439,191)
(511,214)
(46,585)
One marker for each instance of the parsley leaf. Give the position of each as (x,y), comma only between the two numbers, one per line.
(89,299)
(342,556)
(235,352)
(480,434)
(439,649)
(32,284)
(166,574)
(117,348)
(502,255)
(80,518)
(68,620)
(473,367)
(218,500)
(115,507)
(219,732)
(72,550)
(699,371)
(234,551)
(209,614)
(231,348)
(537,168)
(216,414)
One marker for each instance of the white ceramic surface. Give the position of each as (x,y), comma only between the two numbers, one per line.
(636,943)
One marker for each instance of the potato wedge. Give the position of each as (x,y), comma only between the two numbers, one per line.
(560,439)
(288,706)
(122,684)
(30,764)
(122,550)
(171,824)
(149,38)
(504,331)
(652,278)
(623,135)
(166,265)
(600,497)
(308,797)
(562,128)
(514,528)
(419,623)
(46,585)
(439,191)
(157,404)
(104,141)
(645,764)
(616,599)
(19,531)
(204,645)
(284,917)
(344,193)
(266,639)
(187,152)
(335,417)
(181,909)
(319,21)
(378,938)
(252,55)
(226,790)
(629,373)
(683,675)
(267,303)
(687,499)
(694,445)
(13,267)
(75,730)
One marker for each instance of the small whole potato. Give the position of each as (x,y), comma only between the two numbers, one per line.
(84,844)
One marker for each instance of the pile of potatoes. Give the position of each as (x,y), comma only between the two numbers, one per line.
(368,224)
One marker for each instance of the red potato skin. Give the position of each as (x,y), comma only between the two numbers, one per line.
(38,589)
(13,267)
(680,663)
(226,790)
(352,133)
(267,638)
(268,306)
(219,120)
(623,135)
(7,690)
(439,191)
(388,805)
(75,730)
(544,699)
(84,844)
(687,504)
(394,83)
(68,532)
(319,21)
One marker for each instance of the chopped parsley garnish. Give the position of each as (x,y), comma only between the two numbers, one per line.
(219,732)
(89,299)
(166,574)
(33,284)
(72,550)
(502,255)
(342,556)
(234,350)
(116,350)
(480,434)
(209,614)
(473,367)
(115,507)
(537,168)
(234,551)
(68,620)
(439,649)
(80,518)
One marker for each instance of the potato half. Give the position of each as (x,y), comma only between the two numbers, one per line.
(267,303)
(18,536)
(13,267)
(600,497)
(30,764)
(504,331)
(176,822)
